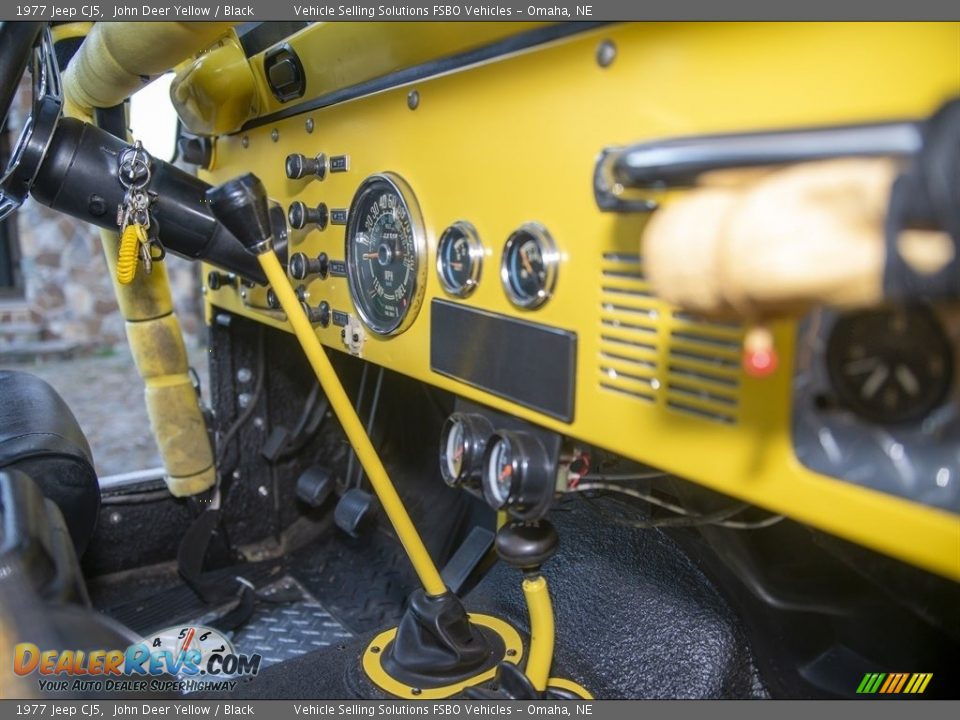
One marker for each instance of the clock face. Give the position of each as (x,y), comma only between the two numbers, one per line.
(891,365)
(181,639)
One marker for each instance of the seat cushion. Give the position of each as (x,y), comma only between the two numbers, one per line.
(41,437)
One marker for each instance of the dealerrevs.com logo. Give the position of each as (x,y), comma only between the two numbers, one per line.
(175,659)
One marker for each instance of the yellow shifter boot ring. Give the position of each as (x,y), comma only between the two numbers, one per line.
(438,649)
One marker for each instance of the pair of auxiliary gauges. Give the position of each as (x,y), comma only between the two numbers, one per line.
(512,468)
(528,269)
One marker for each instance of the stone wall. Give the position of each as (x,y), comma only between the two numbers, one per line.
(67,289)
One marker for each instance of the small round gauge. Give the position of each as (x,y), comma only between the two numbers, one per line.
(459,259)
(385,250)
(518,474)
(500,473)
(892,365)
(530,264)
(462,441)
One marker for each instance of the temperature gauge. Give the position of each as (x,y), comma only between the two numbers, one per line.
(530,264)
(459,259)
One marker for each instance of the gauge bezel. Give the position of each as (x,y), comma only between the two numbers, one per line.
(477,430)
(551,265)
(533,476)
(939,342)
(476,252)
(490,494)
(405,193)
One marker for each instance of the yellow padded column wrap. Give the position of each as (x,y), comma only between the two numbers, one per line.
(156,342)
(115,57)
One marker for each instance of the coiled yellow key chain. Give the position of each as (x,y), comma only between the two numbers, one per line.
(133,214)
(130,241)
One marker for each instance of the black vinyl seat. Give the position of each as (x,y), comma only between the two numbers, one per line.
(40,437)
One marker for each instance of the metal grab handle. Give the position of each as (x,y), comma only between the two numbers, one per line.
(680,162)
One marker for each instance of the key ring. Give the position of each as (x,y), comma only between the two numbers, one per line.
(134,167)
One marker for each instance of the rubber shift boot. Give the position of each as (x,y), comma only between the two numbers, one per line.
(436,644)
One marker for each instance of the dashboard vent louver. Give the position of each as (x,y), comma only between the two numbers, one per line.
(629,318)
(701,376)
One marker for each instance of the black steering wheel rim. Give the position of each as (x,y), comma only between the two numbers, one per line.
(24,45)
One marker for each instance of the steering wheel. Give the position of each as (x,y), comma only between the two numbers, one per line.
(23,45)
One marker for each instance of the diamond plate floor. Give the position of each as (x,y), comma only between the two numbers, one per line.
(287,630)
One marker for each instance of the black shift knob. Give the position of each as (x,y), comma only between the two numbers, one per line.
(241,207)
(527,545)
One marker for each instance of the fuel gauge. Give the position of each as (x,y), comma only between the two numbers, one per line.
(459,259)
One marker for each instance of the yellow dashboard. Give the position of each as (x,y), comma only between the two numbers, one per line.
(512,140)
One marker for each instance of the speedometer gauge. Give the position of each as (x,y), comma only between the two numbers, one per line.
(385,249)
(530,264)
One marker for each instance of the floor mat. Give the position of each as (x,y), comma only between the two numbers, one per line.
(281,631)
(364,582)
(148,611)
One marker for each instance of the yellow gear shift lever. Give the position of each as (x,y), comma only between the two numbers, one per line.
(437,649)
(241,206)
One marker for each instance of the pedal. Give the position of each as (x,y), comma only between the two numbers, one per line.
(467,558)
(314,486)
(352,509)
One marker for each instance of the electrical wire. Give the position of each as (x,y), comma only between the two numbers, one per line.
(242,418)
(686,518)
(351,458)
(373,415)
(623,477)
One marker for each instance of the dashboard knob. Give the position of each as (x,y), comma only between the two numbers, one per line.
(303,266)
(217,280)
(300,166)
(319,315)
(300,215)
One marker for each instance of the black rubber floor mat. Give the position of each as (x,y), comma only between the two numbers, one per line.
(634,617)
(363,582)
(150,611)
(283,631)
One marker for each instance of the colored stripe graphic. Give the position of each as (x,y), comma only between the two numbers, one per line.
(894,683)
